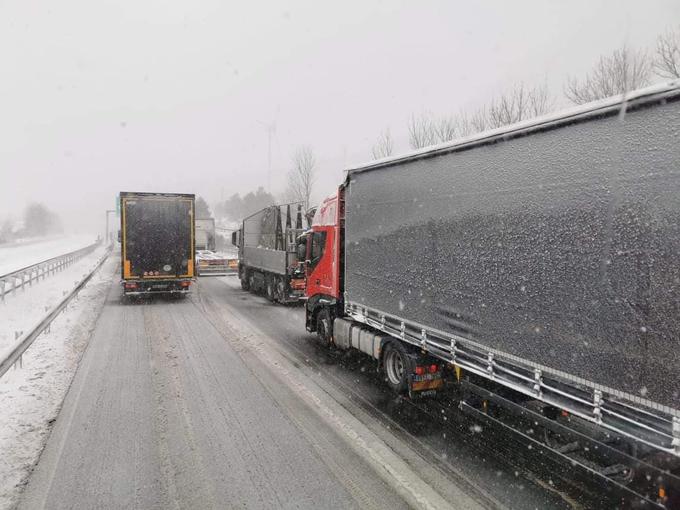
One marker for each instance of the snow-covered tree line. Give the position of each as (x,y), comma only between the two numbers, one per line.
(37,220)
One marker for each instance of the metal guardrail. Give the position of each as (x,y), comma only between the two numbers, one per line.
(25,340)
(26,275)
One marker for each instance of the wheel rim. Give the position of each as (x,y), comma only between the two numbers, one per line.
(394,366)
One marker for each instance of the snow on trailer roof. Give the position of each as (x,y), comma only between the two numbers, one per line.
(554,120)
(128,194)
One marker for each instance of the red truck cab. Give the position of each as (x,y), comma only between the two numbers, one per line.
(407,370)
(324,265)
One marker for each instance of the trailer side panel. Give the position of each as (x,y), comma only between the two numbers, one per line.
(560,246)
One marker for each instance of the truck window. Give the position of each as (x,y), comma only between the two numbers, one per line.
(318,245)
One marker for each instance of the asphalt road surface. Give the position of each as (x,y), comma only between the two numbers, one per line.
(222,400)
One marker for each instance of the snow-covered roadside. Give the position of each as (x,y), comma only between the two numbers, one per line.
(30,397)
(24,308)
(16,256)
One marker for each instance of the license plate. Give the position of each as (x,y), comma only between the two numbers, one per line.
(427,385)
(426,377)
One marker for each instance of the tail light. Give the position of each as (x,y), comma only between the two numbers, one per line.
(433,369)
(420,370)
(130,285)
(185,283)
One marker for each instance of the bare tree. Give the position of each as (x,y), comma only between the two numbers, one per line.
(425,130)
(613,74)
(421,131)
(445,129)
(667,61)
(39,220)
(469,124)
(384,146)
(301,176)
(518,104)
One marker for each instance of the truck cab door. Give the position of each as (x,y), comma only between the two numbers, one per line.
(320,264)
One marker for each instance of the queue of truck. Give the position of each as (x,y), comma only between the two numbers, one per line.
(534,267)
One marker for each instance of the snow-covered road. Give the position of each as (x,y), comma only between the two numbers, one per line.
(222,400)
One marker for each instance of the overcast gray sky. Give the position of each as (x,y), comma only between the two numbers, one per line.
(102,96)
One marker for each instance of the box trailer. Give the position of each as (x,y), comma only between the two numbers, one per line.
(205,234)
(540,262)
(208,261)
(157,242)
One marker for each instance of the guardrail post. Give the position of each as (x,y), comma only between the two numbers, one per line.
(20,360)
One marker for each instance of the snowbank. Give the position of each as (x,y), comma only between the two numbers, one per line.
(30,397)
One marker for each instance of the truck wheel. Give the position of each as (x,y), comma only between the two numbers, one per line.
(271,289)
(280,289)
(324,326)
(396,367)
(245,281)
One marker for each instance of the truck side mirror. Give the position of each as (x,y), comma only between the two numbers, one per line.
(234,238)
(119,236)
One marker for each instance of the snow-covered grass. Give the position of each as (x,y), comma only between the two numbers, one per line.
(30,397)
(18,255)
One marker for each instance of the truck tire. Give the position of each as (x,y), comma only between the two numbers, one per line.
(270,288)
(396,367)
(245,280)
(280,289)
(324,326)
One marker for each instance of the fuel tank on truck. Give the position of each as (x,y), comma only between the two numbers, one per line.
(556,243)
